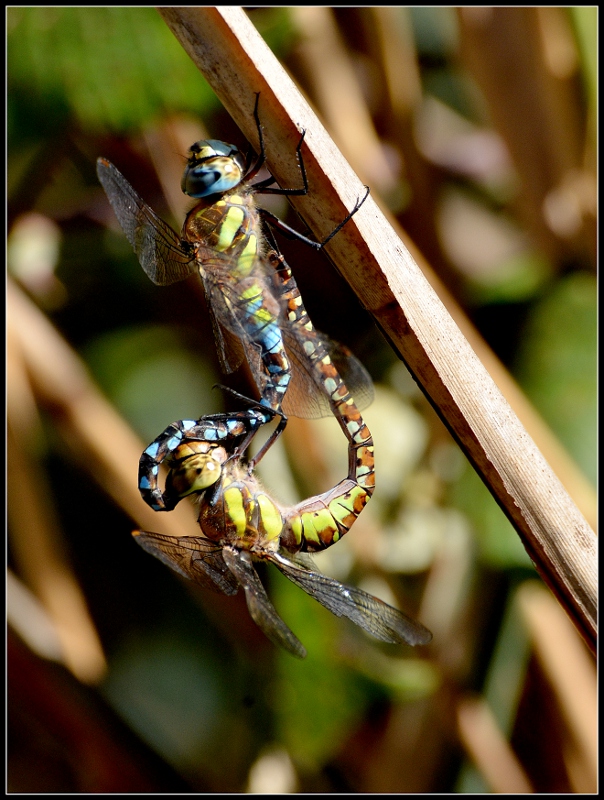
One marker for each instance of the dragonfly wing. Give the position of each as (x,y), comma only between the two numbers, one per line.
(193,557)
(358,381)
(228,345)
(260,607)
(231,313)
(305,396)
(163,255)
(373,615)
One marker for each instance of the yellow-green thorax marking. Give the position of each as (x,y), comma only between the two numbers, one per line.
(240,512)
(230,225)
(243,514)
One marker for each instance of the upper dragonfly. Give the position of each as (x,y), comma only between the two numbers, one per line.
(223,241)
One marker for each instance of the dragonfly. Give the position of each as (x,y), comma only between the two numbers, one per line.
(223,240)
(241,523)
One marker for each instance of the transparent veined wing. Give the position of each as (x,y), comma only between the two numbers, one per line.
(167,259)
(241,312)
(305,395)
(163,255)
(260,607)
(306,349)
(373,615)
(193,557)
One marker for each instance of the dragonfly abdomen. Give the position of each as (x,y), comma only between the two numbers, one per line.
(187,446)
(361,461)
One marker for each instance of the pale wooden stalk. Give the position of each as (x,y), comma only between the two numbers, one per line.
(489,749)
(237,64)
(96,435)
(572,677)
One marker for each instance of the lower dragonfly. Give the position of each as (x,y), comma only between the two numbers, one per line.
(240,522)
(223,241)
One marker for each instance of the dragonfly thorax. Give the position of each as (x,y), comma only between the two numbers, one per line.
(213,167)
(241,513)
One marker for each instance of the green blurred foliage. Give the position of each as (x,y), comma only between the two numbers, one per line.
(172,692)
(317,700)
(557,365)
(105,69)
(498,543)
(152,376)
(585,19)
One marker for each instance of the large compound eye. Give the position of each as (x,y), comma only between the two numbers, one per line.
(194,474)
(213,167)
(209,148)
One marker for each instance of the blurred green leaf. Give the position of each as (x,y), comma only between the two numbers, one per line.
(435,30)
(276,28)
(171,692)
(317,700)
(585,19)
(113,69)
(514,280)
(152,378)
(557,365)
(498,542)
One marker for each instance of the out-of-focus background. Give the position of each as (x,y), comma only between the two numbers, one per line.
(476,127)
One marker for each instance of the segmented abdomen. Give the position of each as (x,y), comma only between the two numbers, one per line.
(317,523)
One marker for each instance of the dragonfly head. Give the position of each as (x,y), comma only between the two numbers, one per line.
(213,167)
(195,473)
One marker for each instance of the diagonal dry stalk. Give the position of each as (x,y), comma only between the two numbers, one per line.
(44,373)
(389,283)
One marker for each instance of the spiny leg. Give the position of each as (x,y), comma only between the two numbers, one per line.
(253,462)
(265,187)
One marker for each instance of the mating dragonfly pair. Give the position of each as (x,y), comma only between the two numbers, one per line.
(257,313)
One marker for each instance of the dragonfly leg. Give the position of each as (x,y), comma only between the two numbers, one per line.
(291,233)
(268,444)
(258,164)
(263,186)
(263,411)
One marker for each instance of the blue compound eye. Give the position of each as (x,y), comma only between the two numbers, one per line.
(213,167)
(208,148)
